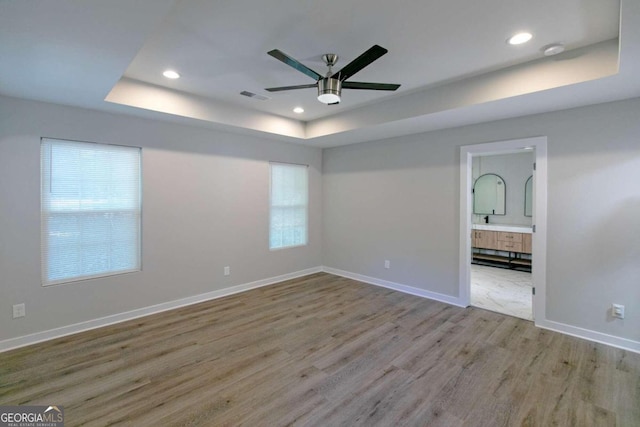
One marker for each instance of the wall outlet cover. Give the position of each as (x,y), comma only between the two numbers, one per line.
(19,310)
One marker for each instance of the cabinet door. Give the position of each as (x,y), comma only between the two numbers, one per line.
(485,239)
(526,243)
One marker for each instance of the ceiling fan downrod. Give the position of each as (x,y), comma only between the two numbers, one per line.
(329,89)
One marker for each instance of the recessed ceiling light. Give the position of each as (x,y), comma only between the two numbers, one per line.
(170,74)
(519,38)
(527,148)
(298,110)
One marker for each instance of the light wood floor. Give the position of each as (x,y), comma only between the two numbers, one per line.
(326,351)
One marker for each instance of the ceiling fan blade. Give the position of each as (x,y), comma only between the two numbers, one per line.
(281,88)
(360,62)
(370,86)
(281,56)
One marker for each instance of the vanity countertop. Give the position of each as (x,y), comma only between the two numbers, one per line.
(498,227)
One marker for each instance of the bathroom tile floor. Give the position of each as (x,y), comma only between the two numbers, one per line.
(501,290)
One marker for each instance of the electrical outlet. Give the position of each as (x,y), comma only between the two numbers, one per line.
(19,310)
(227,271)
(617,310)
(387,263)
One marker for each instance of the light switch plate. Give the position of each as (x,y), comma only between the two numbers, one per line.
(617,310)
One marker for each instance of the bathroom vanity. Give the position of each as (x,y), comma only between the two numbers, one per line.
(502,244)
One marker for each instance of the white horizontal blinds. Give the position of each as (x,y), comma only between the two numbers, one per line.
(289,205)
(91,206)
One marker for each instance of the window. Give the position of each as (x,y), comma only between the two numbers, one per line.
(90,210)
(289,205)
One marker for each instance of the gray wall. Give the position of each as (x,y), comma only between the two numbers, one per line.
(205,206)
(514,169)
(399,200)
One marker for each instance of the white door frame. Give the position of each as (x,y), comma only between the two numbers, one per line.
(539,238)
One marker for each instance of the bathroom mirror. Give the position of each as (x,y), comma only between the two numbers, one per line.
(489,193)
(528,197)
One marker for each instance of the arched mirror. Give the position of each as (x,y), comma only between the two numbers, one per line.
(489,193)
(528,197)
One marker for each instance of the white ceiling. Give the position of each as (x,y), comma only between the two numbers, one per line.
(450,57)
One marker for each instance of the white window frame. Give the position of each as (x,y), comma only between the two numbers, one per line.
(305,206)
(47,213)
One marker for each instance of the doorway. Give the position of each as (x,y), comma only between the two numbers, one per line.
(538,148)
(501,233)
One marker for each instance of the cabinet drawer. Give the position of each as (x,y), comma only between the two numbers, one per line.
(509,246)
(506,236)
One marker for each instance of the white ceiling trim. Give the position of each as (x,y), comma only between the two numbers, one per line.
(163,100)
(577,66)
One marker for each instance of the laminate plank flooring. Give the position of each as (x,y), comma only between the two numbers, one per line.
(326,351)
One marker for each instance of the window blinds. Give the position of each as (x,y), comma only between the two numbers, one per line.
(90,210)
(289,205)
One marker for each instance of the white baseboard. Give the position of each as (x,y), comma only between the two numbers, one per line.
(574,331)
(50,334)
(396,286)
(12,343)
(590,335)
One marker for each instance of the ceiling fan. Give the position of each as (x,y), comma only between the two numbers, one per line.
(330,86)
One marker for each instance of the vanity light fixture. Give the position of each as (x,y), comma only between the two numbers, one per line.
(298,110)
(170,74)
(519,38)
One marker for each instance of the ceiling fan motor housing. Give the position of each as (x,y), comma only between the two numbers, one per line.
(329,89)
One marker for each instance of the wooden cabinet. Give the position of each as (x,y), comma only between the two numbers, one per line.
(502,241)
(514,244)
(526,243)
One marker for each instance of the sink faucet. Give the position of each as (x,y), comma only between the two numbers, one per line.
(486,219)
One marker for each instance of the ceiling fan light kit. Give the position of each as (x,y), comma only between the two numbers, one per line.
(330,86)
(329,90)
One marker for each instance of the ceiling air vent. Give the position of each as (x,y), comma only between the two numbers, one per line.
(254,95)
